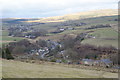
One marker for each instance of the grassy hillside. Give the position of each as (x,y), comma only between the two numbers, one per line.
(105,36)
(81,15)
(16,69)
(4,38)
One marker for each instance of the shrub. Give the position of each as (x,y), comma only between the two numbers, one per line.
(6,54)
(53,60)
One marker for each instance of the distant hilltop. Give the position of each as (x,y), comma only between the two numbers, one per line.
(80,15)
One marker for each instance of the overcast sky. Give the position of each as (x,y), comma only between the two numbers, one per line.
(47,8)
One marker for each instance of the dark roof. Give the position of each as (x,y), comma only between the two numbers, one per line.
(89,60)
(106,60)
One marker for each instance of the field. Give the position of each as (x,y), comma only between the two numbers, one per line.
(5,39)
(17,69)
(104,37)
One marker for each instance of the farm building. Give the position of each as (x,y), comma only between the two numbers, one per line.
(58,61)
(105,63)
(102,63)
(88,62)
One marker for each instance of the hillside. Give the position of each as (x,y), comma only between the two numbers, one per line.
(5,39)
(80,15)
(61,38)
(17,69)
(78,21)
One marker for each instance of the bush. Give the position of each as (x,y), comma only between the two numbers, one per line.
(6,54)
(53,60)
(14,39)
(64,61)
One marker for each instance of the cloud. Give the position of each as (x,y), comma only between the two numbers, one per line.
(46,8)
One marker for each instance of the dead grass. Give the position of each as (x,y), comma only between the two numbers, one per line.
(17,69)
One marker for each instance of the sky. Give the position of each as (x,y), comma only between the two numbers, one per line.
(48,8)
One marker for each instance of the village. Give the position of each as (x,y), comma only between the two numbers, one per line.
(59,39)
(27,31)
(53,51)
(67,50)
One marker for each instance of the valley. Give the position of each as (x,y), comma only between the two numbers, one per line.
(61,45)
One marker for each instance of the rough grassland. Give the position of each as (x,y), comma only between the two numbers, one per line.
(81,15)
(16,69)
(104,37)
(5,39)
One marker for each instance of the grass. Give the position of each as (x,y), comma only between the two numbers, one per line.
(105,33)
(4,33)
(81,15)
(5,39)
(100,42)
(104,37)
(8,38)
(16,69)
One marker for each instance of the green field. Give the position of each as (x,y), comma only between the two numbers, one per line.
(98,42)
(17,69)
(104,37)
(5,39)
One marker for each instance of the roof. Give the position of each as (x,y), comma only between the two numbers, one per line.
(102,60)
(89,60)
(106,60)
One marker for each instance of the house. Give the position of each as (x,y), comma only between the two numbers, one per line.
(105,63)
(69,62)
(93,37)
(52,44)
(96,63)
(90,36)
(87,62)
(61,29)
(62,52)
(102,63)
(43,52)
(30,36)
(70,28)
(37,54)
(58,61)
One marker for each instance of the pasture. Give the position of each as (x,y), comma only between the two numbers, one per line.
(17,69)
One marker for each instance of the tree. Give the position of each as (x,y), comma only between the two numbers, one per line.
(95,57)
(19,49)
(73,55)
(3,54)
(8,54)
(68,42)
(87,57)
(37,33)
(80,37)
(41,43)
(114,58)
